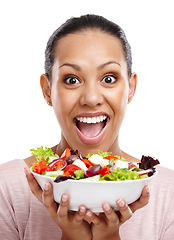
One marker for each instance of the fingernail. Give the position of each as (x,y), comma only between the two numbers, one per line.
(82,209)
(147,189)
(89,214)
(106,207)
(46,186)
(121,203)
(64,198)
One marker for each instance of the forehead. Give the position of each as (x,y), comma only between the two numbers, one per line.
(92,46)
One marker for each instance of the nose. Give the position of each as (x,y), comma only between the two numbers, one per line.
(91,95)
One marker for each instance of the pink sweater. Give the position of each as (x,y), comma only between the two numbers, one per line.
(23,217)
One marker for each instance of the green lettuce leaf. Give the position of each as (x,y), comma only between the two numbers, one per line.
(43,152)
(121,158)
(104,154)
(89,155)
(121,174)
(100,153)
(78,174)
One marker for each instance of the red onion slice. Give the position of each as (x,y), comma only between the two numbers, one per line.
(145,171)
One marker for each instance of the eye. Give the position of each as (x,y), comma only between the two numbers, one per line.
(109,79)
(71,80)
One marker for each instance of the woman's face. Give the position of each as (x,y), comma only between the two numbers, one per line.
(90,90)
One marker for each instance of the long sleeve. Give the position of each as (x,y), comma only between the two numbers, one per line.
(155,221)
(8,228)
(22,216)
(168,233)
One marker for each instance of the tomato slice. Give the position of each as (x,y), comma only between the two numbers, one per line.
(40,166)
(66,153)
(70,169)
(111,157)
(87,162)
(46,168)
(58,165)
(37,169)
(132,166)
(104,171)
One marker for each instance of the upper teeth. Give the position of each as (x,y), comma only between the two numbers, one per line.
(92,120)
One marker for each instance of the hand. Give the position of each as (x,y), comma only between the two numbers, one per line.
(103,226)
(72,224)
(106,225)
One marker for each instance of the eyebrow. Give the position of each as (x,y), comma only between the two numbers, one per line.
(108,63)
(77,67)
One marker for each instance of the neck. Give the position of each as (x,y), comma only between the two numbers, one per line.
(114,148)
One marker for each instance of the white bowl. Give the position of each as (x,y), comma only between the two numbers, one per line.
(93,194)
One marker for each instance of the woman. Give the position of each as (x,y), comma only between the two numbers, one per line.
(88,76)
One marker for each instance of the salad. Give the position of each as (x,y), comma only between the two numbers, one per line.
(102,166)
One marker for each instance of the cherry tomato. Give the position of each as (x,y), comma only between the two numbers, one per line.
(58,165)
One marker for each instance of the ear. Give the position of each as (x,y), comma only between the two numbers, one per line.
(46,89)
(132,86)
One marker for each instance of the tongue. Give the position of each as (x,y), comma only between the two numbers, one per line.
(90,130)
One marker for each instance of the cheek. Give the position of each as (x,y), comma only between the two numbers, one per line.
(60,104)
(63,104)
(118,99)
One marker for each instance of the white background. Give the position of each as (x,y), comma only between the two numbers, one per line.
(27,121)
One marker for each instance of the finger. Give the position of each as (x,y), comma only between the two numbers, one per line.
(63,207)
(142,201)
(93,218)
(79,216)
(48,200)
(112,217)
(34,186)
(124,209)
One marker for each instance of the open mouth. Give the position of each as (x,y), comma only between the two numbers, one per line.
(91,129)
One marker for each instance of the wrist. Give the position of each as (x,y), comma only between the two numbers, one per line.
(65,237)
(117,237)
(113,237)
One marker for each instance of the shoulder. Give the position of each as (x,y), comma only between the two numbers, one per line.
(165,175)
(129,157)
(13,167)
(12,175)
(162,184)
(14,189)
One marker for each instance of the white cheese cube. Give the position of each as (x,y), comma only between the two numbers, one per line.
(120,164)
(80,164)
(97,159)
